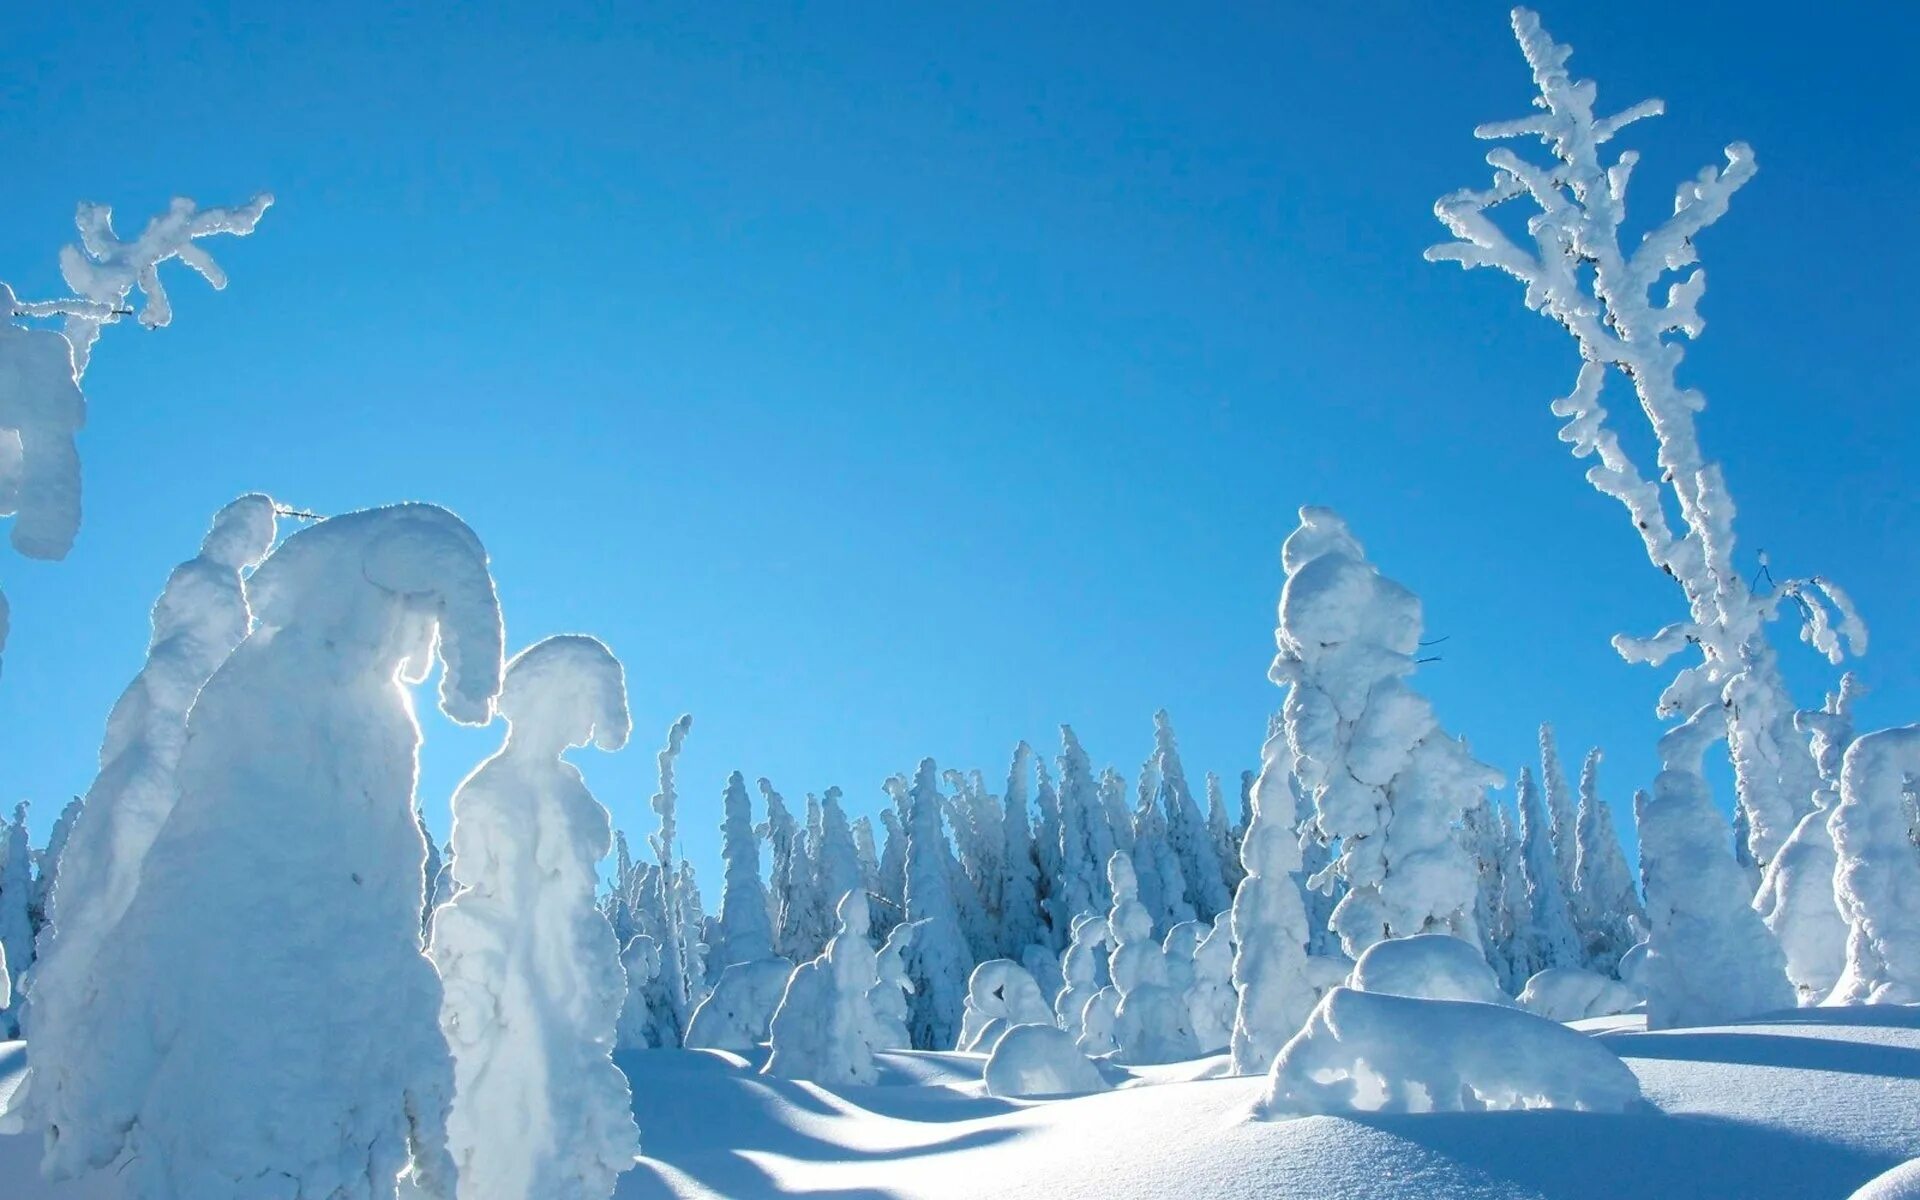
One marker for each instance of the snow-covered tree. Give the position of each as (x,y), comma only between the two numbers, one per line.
(1577,273)
(892,986)
(1021,922)
(1797,897)
(1163,885)
(1085,838)
(16,906)
(1046,852)
(748,977)
(1562,815)
(1000,995)
(1269,920)
(825,1028)
(1710,959)
(1553,941)
(1187,832)
(1212,1002)
(1223,835)
(1877,874)
(1150,1019)
(213,1061)
(790,882)
(533,977)
(46,866)
(937,958)
(1607,908)
(1385,780)
(1082,968)
(1482,836)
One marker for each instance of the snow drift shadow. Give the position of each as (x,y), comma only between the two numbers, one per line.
(1772,1050)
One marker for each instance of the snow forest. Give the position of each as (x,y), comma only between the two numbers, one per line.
(1360,961)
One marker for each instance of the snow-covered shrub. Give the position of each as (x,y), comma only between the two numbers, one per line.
(1000,989)
(267,1013)
(1571,994)
(1429,966)
(888,998)
(1370,1052)
(533,978)
(1150,1019)
(1877,873)
(1709,958)
(1577,272)
(1211,1000)
(1033,1061)
(1081,967)
(1384,778)
(1269,920)
(825,1028)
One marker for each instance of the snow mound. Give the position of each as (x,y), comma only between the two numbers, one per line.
(1429,966)
(1040,1060)
(1366,1052)
(1901,1183)
(1571,994)
(1000,990)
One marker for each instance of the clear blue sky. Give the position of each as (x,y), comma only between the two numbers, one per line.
(882,383)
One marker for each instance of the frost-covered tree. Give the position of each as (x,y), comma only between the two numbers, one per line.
(937,959)
(893,865)
(1562,815)
(1163,886)
(892,986)
(1223,835)
(1046,852)
(1021,923)
(1797,897)
(1385,780)
(533,977)
(790,880)
(1269,920)
(1113,800)
(1086,841)
(825,1028)
(200,616)
(1710,959)
(1483,839)
(1553,941)
(214,1063)
(748,977)
(1212,1002)
(1150,1019)
(1000,995)
(838,866)
(1577,273)
(16,907)
(1187,832)
(1877,874)
(977,927)
(46,867)
(1607,908)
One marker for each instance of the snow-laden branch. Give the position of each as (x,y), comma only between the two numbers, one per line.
(1628,312)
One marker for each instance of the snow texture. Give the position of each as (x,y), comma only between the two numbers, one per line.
(1269,921)
(532,974)
(1571,994)
(1877,874)
(1000,989)
(1368,1052)
(1428,966)
(41,412)
(825,1028)
(892,986)
(271,1026)
(1035,1061)
(1151,1023)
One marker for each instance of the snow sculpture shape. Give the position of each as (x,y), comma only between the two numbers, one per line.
(1570,994)
(532,973)
(737,1014)
(41,412)
(1211,1000)
(1000,989)
(1081,967)
(1710,959)
(199,618)
(219,1070)
(1384,778)
(1877,876)
(1034,1061)
(888,998)
(1150,1019)
(1577,273)
(1431,966)
(825,1028)
(1269,920)
(1367,1052)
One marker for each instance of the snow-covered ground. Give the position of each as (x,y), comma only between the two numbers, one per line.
(1810,1103)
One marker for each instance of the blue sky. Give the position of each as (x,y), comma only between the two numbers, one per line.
(882,383)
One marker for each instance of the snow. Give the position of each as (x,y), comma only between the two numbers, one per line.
(1000,989)
(825,1028)
(1269,920)
(41,412)
(1900,1183)
(532,974)
(1571,994)
(1371,1052)
(1430,966)
(265,1004)
(1033,1060)
(1877,874)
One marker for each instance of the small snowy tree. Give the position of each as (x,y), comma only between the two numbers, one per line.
(825,1029)
(1085,839)
(1797,897)
(1877,874)
(1187,832)
(888,996)
(1553,943)
(1082,968)
(1577,273)
(750,977)
(937,959)
(533,977)
(1212,1003)
(1709,958)
(1607,909)
(1269,921)
(1562,816)
(214,1066)
(669,997)
(1021,924)
(16,908)
(1150,1019)
(1386,781)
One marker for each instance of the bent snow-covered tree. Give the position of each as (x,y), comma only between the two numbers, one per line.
(533,978)
(1385,779)
(200,617)
(1577,273)
(273,1023)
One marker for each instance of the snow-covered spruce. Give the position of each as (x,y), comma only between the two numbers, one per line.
(1427,966)
(892,986)
(1212,1002)
(1384,778)
(1877,876)
(736,1014)
(1151,1023)
(825,1029)
(1269,920)
(670,999)
(1552,940)
(1369,1052)
(1038,1061)
(937,958)
(1000,990)
(1577,273)
(1022,925)
(16,908)
(1188,833)
(1710,958)
(1083,968)
(1607,906)
(218,1068)
(1571,994)
(199,618)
